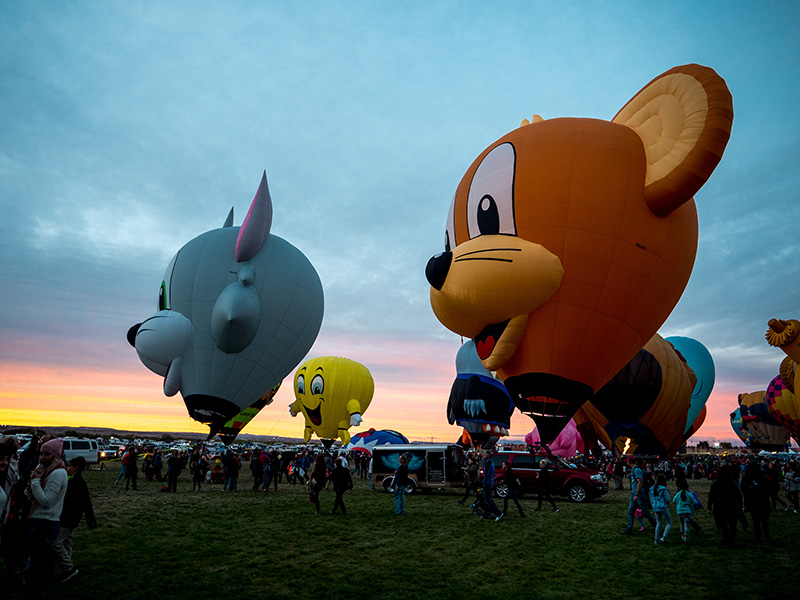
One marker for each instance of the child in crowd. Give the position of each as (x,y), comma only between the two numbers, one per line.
(77,503)
(659,500)
(685,505)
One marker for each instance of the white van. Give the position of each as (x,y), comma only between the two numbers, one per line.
(86,448)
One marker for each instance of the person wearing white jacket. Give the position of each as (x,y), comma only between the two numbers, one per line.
(46,490)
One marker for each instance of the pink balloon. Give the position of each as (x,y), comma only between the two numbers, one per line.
(568,442)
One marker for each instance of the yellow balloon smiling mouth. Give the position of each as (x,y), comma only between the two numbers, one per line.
(315,414)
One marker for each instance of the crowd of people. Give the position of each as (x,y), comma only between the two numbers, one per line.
(744,490)
(43,499)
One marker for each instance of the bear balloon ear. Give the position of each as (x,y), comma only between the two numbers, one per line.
(257,223)
(684,119)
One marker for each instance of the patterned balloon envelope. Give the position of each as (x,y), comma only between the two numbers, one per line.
(642,409)
(783,405)
(767,431)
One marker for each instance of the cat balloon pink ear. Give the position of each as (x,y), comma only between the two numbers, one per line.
(257,223)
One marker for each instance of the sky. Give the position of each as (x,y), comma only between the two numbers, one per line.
(129,128)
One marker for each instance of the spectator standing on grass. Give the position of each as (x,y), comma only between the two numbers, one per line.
(77,503)
(256,470)
(725,503)
(399,482)
(619,474)
(685,505)
(130,465)
(9,475)
(46,490)
(158,465)
(660,501)
(471,479)
(317,481)
(197,472)
(341,481)
(773,477)
(512,485)
(792,480)
(173,470)
(756,499)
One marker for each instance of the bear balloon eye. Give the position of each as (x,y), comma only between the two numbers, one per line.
(317,385)
(301,384)
(450,228)
(490,203)
(488,217)
(164,299)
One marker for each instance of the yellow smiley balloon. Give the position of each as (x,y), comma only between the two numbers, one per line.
(332,393)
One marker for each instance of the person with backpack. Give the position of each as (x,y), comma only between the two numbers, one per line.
(638,497)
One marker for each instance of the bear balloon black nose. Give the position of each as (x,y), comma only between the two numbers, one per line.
(437,269)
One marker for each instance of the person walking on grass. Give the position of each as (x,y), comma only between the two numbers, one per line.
(756,499)
(725,503)
(637,500)
(512,485)
(685,505)
(317,481)
(660,501)
(400,481)
(77,503)
(489,507)
(543,484)
(342,481)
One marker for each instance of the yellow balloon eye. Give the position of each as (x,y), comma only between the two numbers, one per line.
(317,385)
(301,384)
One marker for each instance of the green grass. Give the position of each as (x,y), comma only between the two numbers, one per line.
(245,544)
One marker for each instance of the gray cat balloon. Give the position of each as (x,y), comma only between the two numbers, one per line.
(238,309)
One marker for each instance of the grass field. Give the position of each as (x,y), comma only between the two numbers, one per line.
(243,544)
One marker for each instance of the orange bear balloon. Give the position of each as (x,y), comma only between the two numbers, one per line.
(569,241)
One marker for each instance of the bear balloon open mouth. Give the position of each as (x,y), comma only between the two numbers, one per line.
(486,340)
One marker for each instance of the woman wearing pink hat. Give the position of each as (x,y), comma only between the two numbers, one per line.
(46,490)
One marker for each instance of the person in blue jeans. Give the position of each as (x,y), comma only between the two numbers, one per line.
(638,497)
(488,487)
(399,482)
(660,500)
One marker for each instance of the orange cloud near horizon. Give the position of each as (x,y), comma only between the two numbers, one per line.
(31,395)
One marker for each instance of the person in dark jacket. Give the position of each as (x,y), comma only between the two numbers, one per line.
(756,499)
(173,470)
(77,504)
(489,507)
(317,481)
(512,485)
(543,484)
(342,481)
(399,482)
(725,503)
(471,479)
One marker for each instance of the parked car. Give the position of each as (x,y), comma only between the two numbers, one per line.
(580,484)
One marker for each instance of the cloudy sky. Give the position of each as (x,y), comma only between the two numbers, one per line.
(129,128)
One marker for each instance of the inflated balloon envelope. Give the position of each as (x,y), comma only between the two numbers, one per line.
(643,408)
(238,309)
(768,433)
(332,393)
(783,405)
(701,362)
(569,241)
